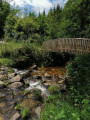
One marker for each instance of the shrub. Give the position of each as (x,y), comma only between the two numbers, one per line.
(79,77)
(56,109)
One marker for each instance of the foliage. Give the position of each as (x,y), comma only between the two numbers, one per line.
(6,61)
(71,21)
(18,107)
(6,83)
(79,77)
(4,11)
(56,109)
(53,89)
(25,113)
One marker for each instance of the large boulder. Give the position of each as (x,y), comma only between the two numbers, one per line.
(15,85)
(38,111)
(11,75)
(1,84)
(15,79)
(16,116)
(1,117)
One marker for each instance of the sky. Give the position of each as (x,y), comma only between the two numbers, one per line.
(38,5)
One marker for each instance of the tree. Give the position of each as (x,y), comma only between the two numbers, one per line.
(76,12)
(4,12)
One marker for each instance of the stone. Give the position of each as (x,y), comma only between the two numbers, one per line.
(2,104)
(16,116)
(11,75)
(62,87)
(1,118)
(46,84)
(36,76)
(15,79)
(47,75)
(2,95)
(38,111)
(60,81)
(25,75)
(2,77)
(1,84)
(60,77)
(33,67)
(15,85)
(2,68)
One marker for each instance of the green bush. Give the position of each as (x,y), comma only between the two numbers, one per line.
(79,77)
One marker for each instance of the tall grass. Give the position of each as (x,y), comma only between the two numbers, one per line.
(24,50)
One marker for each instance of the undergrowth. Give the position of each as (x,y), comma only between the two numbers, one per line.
(57,109)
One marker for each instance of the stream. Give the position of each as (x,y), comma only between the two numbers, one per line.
(14,93)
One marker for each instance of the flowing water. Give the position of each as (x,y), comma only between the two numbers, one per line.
(9,98)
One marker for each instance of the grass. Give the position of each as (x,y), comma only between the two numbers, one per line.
(12,52)
(26,92)
(10,47)
(25,113)
(6,61)
(53,89)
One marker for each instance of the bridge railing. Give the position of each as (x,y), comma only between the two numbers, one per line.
(73,45)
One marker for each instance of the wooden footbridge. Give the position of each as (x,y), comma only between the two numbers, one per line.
(72,45)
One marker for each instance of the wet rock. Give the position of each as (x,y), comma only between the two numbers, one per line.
(15,79)
(2,104)
(1,117)
(15,85)
(47,75)
(2,95)
(2,68)
(38,111)
(37,77)
(1,72)
(61,81)
(33,67)
(2,77)
(16,116)
(25,75)
(11,75)
(1,84)
(47,84)
(62,78)
(62,87)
